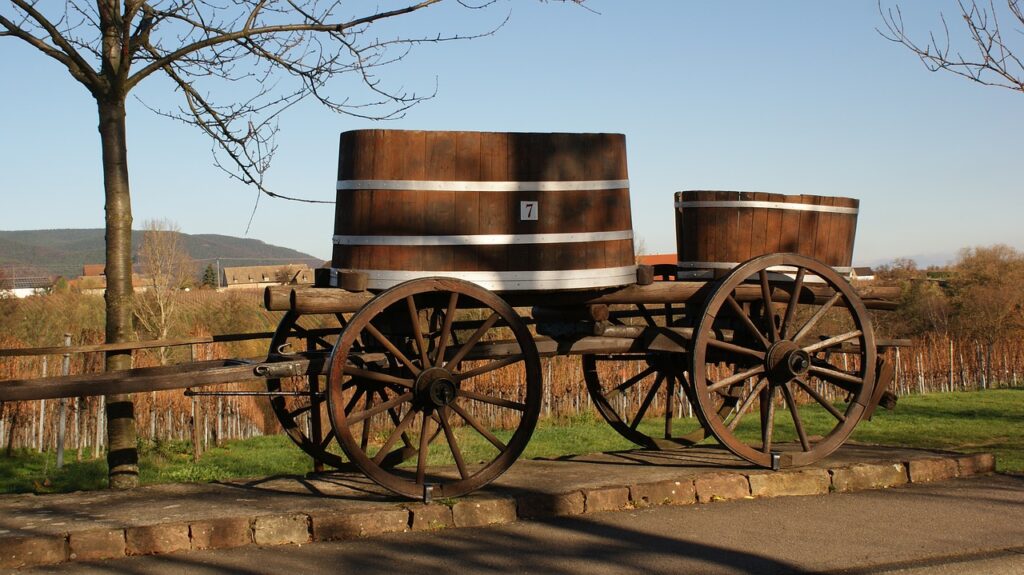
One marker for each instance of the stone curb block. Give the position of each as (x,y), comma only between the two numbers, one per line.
(473,511)
(721,487)
(476,512)
(551,504)
(931,469)
(95,544)
(221,533)
(281,529)
(667,492)
(353,525)
(605,499)
(33,550)
(789,483)
(157,539)
(863,476)
(976,464)
(428,517)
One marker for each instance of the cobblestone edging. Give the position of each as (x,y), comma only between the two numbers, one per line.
(474,511)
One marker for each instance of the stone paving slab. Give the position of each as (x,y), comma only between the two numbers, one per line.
(47,529)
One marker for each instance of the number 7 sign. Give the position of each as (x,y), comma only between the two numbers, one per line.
(528,210)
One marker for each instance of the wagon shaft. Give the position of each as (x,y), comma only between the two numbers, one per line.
(196,374)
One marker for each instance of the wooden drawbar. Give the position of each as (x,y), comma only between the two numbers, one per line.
(716,230)
(508,211)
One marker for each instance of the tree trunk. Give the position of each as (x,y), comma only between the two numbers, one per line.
(122,453)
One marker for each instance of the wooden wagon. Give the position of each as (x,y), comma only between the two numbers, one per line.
(462,258)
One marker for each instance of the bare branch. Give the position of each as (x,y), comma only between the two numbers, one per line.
(994,61)
(64,52)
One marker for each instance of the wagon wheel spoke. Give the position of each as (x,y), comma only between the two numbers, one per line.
(358,416)
(327,439)
(300,410)
(831,374)
(446,328)
(648,319)
(377,376)
(817,316)
(365,440)
(821,400)
(395,419)
(377,335)
(769,311)
(393,437)
(421,457)
(492,366)
(473,339)
(479,428)
(833,341)
(736,378)
(630,382)
(670,394)
(646,402)
(355,399)
(453,445)
(497,401)
(768,422)
(745,319)
(746,403)
(417,330)
(798,285)
(795,413)
(732,347)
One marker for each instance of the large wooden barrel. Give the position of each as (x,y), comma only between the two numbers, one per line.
(508,211)
(716,230)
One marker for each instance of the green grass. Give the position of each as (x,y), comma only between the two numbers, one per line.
(990,421)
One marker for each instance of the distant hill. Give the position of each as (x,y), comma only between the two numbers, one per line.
(64,252)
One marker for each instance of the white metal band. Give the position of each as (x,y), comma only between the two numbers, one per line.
(456,186)
(514,281)
(731,265)
(767,205)
(483,239)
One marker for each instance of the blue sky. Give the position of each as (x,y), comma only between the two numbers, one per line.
(786,97)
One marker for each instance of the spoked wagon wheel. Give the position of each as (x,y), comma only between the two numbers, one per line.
(462,401)
(300,402)
(623,388)
(803,356)
(625,401)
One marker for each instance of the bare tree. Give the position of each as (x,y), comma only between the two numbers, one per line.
(273,52)
(991,40)
(166,268)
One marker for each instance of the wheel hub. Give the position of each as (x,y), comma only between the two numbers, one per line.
(435,387)
(785,360)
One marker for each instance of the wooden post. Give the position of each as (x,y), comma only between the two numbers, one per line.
(315,425)
(40,445)
(98,445)
(78,431)
(219,439)
(62,407)
(197,447)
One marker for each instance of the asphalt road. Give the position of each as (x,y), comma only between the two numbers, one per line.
(968,526)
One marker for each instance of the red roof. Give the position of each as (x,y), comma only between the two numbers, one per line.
(655,259)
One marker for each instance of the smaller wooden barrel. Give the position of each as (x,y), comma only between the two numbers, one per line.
(508,211)
(716,230)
